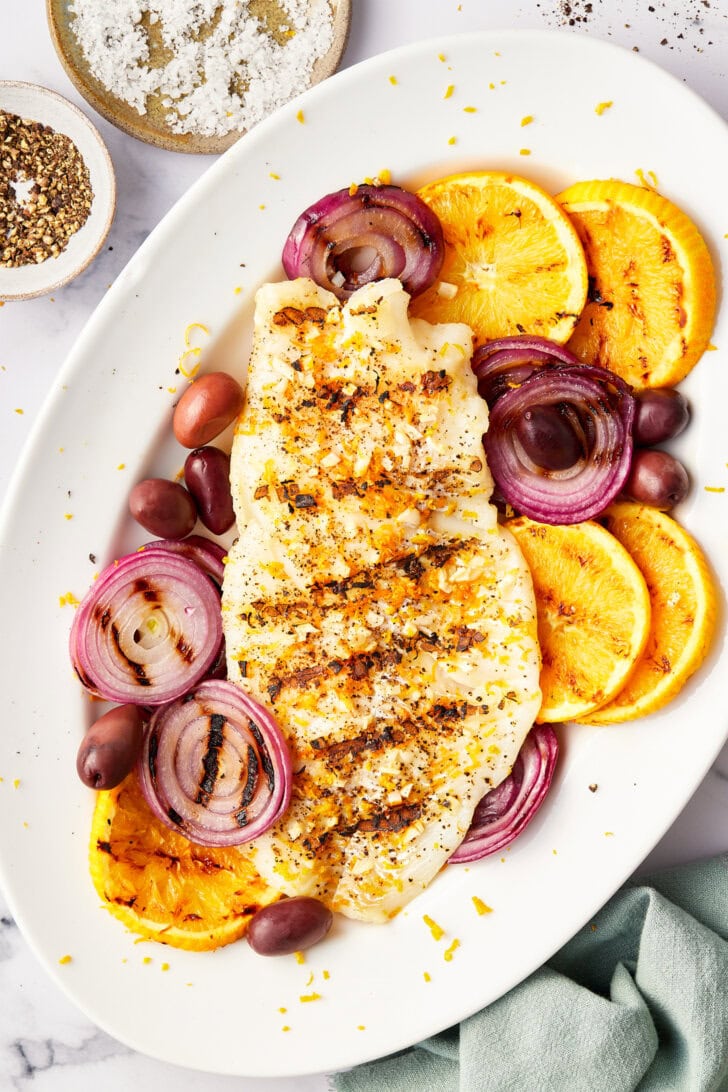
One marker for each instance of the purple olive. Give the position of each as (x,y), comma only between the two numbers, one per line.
(207,476)
(289,925)
(163,508)
(659,415)
(547,436)
(657,478)
(110,748)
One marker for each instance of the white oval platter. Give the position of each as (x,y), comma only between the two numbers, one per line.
(106,424)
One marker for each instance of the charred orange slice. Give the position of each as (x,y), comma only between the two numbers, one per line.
(164,887)
(513,260)
(593,613)
(683,609)
(652,285)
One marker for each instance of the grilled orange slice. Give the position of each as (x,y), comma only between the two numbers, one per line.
(684,609)
(593,612)
(513,261)
(161,885)
(651,283)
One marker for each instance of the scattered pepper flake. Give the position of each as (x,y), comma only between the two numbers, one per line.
(437,931)
(602,106)
(65,959)
(527,120)
(593,927)
(449,91)
(593,787)
(309,997)
(481,907)
(449,952)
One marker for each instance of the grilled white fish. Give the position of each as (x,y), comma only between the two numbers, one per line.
(371,600)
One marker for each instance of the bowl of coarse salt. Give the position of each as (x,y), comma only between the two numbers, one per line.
(194,77)
(57,191)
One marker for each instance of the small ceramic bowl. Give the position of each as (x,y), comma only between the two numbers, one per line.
(34,103)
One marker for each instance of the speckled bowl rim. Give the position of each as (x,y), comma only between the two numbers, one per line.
(44,92)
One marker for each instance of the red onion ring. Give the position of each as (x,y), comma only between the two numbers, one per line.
(404,235)
(508,361)
(605,405)
(215,766)
(148,629)
(504,812)
(206,553)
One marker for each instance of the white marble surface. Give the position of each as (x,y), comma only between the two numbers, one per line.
(45,1043)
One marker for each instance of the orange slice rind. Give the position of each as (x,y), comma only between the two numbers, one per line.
(652,285)
(593,611)
(162,886)
(683,609)
(513,260)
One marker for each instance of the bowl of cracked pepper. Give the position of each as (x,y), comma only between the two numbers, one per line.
(57,191)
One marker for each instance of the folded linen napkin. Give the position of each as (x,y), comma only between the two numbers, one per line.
(637,1000)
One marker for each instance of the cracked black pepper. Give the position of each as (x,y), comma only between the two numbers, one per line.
(45,191)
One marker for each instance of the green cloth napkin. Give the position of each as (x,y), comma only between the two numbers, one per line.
(639,1002)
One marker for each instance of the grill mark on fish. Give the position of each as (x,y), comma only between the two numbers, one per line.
(388,819)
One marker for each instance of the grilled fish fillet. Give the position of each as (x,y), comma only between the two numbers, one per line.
(371,600)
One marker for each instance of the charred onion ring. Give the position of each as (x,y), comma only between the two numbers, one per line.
(601,407)
(148,629)
(508,809)
(215,766)
(393,230)
(507,362)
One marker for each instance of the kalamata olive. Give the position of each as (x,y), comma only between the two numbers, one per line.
(207,476)
(659,415)
(657,478)
(289,925)
(110,748)
(206,409)
(548,437)
(163,508)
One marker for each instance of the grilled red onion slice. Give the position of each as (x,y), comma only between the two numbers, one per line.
(215,766)
(206,553)
(600,406)
(148,629)
(392,230)
(508,361)
(508,809)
